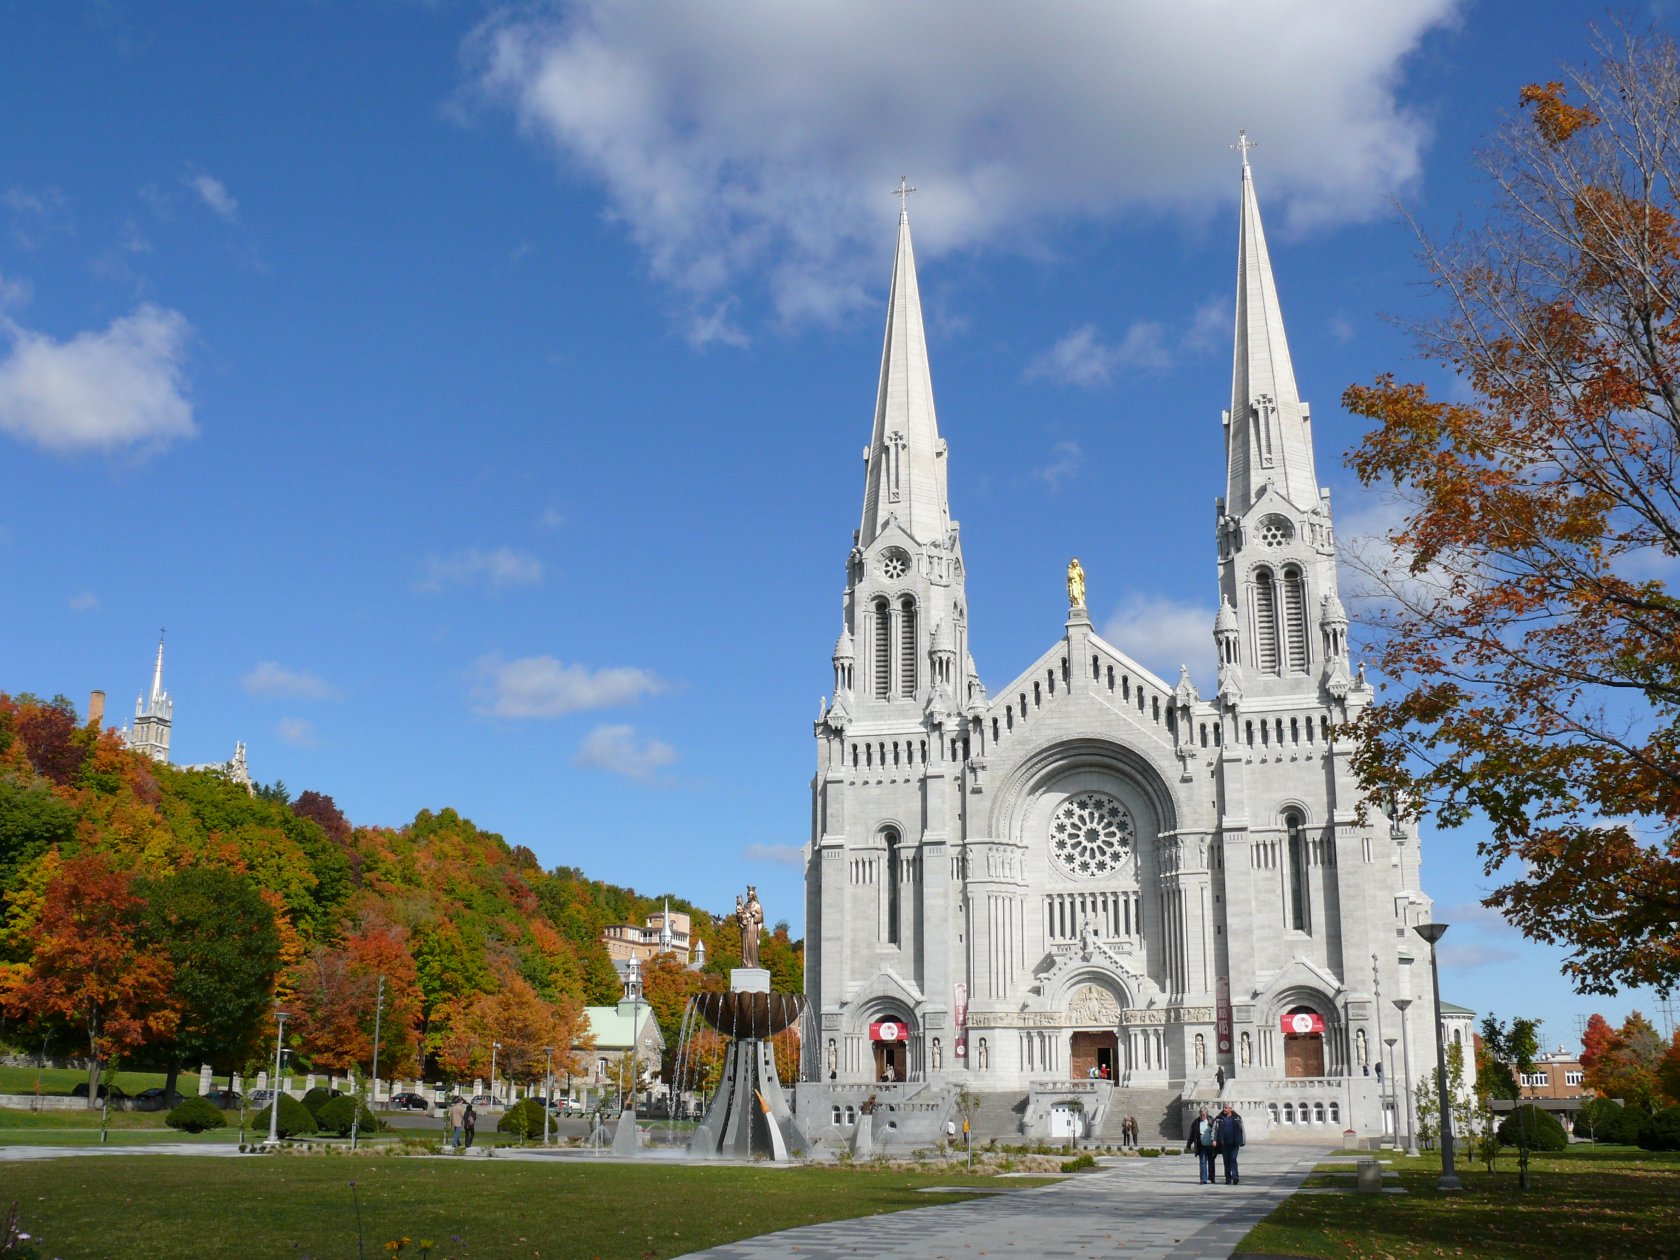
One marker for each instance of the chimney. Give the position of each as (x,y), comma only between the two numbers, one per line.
(96,710)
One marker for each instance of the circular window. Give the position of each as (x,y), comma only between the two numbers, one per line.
(894,565)
(1091,834)
(1275,531)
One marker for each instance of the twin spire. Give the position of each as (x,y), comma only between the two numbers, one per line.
(1267,438)
(906,479)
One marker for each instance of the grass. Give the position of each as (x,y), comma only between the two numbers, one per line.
(142,1207)
(28,1080)
(1616,1202)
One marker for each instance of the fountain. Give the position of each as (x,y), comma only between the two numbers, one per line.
(748,1117)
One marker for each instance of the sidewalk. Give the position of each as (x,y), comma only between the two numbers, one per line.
(1143,1208)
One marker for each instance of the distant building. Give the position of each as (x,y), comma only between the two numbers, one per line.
(663,932)
(234,768)
(617,1030)
(154,715)
(1558,1075)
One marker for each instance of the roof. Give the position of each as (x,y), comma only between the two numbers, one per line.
(614,1028)
(1447,1008)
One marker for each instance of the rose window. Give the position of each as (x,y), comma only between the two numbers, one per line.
(1091,834)
(1275,531)
(894,565)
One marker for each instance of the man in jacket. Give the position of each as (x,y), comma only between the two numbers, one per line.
(1202,1135)
(1228,1140)
(457,1119)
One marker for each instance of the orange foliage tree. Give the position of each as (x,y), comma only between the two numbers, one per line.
(1626,1066)
(93,967)
(1531,641)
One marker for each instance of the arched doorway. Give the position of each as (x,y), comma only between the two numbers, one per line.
(890,1042)
(1094,1048)
(1303,1042)
(1095,1056)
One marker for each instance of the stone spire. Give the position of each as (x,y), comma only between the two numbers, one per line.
(906,477)
(1268,435)
(153,715)
(157,676)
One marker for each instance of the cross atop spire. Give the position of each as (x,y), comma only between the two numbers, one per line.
(1243,145)
(902,192)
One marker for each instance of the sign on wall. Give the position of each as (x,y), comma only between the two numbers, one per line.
(1222,1014)
(1302,1023)
(888,1030)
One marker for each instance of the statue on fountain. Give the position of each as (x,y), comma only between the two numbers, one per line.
(750,915)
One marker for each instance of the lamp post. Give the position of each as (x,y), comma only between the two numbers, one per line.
(548,1088)
(1376,995)
(1400,1004)
(1433,932)
(494,1046)
(1388,1083)
(274,1103)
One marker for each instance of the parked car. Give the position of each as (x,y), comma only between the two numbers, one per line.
(226,1099)
(116,1091)
(410,1101)
(480,1101)
(261,1097)
(153,1099)
(568,1107)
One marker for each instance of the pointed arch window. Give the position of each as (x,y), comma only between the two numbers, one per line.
(893,874)
(907,647)
(1294,824)
(880,663)
(1265,622)
(1295,618)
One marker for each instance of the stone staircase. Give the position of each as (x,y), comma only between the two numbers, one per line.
(1000,1117)
(1156,1111)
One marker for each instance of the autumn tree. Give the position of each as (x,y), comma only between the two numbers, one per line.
(1526,620)
(93,966)
(1626,1067)
(223,947)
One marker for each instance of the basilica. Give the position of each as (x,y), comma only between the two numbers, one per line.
(1098,893)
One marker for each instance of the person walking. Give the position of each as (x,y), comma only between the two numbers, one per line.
(457,1117)
(1129,1132)
(1202,1137)
(469,1124)
(1228,1140)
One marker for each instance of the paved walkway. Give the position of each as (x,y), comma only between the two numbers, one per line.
(1142,1209)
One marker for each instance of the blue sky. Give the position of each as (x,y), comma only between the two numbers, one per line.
(476,393)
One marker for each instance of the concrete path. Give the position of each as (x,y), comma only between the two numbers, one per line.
(1139,1208)
(22,1152)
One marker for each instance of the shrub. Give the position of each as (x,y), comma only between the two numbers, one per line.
(338,1115)
(1597,1119)
(1662,1131)
(196,1115)
(1149,1152)
(1079,1163)
(319,1097)
(1624,1128)
(295,1120)
(524,1119)
(1544,1131)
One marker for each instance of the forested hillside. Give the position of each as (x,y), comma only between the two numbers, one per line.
(157,915)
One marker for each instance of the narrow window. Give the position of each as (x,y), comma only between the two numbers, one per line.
(1295,618)
(881,665)
(907,646)
(1297,873)
(892,887)
(1265,622)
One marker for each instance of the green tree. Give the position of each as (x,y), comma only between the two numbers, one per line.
(32,820)
(224,947)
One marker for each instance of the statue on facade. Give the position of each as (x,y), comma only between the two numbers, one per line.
(1076,584)
(750,915)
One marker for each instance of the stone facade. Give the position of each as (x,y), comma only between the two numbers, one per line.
(1097,871)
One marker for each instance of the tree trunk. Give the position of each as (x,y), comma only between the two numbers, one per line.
(93,1062)
(169,1081)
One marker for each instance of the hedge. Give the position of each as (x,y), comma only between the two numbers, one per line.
(195,1115)
(319,1097)
(295,1120)
(524,1119)
(1544,1131)
(338,1115)
(1662,1131)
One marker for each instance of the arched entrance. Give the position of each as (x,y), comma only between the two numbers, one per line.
(1094,1046)
(1095,1056)
(1303,1042)
(890,1041)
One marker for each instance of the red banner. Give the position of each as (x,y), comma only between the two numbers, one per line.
(1302,1023)
(888,1030)
(1222,1014)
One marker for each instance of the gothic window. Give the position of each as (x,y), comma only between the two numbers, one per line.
(1091,835)
(893,860)
(881,663)
(907,646)
(1297,872)
(894,564)
(1295,617)
(1265,622)
(1274,531)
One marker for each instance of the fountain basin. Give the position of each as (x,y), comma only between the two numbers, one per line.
(749,1015)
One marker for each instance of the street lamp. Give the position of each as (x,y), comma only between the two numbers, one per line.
(274,1103)
(494,1046)
(1400,1004)
(1388,1083)
(1376,994)
(1433,932)
(548,1088)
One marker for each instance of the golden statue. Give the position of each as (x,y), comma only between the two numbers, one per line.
(1076,584)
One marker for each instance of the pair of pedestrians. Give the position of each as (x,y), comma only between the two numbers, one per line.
(463,1123)
(1218,1136)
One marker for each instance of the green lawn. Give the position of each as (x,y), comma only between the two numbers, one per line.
(1617,1202)
(140,1206)
(28,1080)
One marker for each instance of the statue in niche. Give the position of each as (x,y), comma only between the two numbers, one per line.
(1361,1050)
(983,1057)
(833,1057)
(1076,583)
(938,1055)
(1087,938)
(750,915)
(1201,1051)
(1247,1051)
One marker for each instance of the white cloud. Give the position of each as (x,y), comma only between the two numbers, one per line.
(498,569)
(298,732)
(1162,633)
(1083,358)
(757,142)
(122,387)
(541,687)
(85,601)
(777,854)
(1475,955)
(213,193)
(1066,459)
(551,518)
(272,679)
(618,750)
(14,293)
